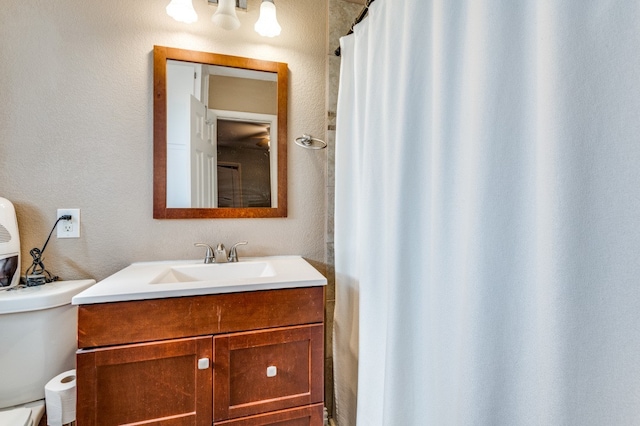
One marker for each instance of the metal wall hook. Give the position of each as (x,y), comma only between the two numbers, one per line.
(309,142)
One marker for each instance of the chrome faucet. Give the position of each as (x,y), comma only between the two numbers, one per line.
(221,254)
(209,256)
(233,254)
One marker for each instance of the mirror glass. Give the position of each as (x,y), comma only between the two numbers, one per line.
(219,135)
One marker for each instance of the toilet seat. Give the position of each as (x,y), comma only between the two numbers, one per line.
(26,415)
(16,417)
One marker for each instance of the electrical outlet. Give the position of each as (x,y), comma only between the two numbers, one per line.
(69,228)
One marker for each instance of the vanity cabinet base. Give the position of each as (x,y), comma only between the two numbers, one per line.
(243,359)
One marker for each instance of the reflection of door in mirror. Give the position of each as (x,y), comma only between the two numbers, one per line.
(202,153)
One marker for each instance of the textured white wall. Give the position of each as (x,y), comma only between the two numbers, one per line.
(76,120)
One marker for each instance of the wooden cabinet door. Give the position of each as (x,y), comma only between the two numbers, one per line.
(269,370)
(159,383)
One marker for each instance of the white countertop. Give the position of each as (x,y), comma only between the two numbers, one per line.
(143,280)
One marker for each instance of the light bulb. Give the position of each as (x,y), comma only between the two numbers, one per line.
(182,11)
(267,25)
(225,16)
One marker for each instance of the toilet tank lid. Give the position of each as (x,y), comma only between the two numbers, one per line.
(46,296)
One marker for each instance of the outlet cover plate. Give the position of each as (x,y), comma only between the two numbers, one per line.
(69,228)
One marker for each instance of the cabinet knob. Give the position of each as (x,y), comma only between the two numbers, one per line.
(272,371)
(203,363)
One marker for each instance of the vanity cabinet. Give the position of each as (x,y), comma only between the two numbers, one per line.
(237,359)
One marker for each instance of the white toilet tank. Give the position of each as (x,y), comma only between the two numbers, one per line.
(37,338)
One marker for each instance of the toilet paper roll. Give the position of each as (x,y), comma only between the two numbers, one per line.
(60,399)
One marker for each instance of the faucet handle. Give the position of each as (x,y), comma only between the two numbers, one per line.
(208,257)
(233,254)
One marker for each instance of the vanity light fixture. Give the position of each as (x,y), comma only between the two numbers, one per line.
(267,25)
(182,11)
(225,17)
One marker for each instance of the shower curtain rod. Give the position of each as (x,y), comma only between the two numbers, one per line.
(361,16)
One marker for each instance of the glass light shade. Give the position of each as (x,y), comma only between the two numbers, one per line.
(267,25)
(225,17)
(182,11)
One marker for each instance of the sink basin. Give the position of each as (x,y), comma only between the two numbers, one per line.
(158,280)
(214,272)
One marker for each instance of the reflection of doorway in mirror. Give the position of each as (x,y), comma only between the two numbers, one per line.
(229,185)
(246,139)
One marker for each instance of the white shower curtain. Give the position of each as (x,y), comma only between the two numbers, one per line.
(487,227)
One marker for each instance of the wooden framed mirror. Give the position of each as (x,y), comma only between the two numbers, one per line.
(219,136)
